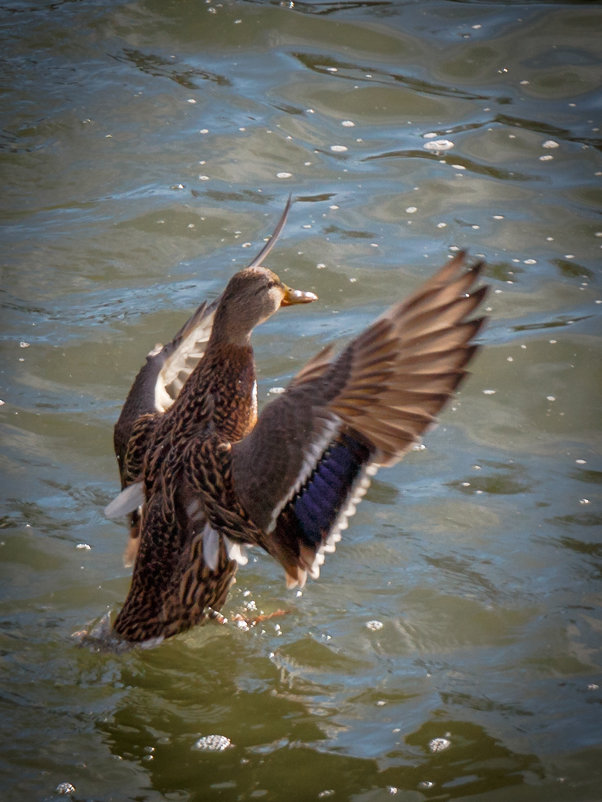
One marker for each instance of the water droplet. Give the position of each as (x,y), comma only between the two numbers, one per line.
(438,144)
(439,744)
(212,743)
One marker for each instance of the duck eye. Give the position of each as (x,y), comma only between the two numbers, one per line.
(271,283)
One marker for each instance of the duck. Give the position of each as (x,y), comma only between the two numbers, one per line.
(205,478)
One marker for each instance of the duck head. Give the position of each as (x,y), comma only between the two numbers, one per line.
(252,296)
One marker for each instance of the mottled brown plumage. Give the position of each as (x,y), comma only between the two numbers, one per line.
(204,479)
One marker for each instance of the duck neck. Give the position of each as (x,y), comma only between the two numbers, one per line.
(229,329)
(221,393)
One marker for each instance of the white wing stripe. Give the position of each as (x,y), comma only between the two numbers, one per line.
(357,492)
(210,547)
(130,498)
(237,551)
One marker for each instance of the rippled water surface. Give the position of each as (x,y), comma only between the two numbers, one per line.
(452,647)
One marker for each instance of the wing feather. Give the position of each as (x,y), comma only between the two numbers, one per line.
(302,471)
(163,374)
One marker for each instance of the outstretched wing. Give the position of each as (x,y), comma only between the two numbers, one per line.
(163,375)
(311,456)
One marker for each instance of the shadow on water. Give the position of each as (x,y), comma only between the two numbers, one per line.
(186,76)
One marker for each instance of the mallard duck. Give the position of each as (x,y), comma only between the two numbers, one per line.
(205,479)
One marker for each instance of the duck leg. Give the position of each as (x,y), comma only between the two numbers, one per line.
(250,621)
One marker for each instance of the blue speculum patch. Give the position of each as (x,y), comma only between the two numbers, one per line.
(326,491)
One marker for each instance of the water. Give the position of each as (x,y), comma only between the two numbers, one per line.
(148,147)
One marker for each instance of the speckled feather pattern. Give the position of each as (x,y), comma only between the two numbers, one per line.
(172,587)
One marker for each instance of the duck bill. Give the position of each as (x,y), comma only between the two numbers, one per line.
(297,297)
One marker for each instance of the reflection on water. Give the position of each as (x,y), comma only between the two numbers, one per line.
(451,648)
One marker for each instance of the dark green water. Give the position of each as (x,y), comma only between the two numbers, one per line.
(147,148)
